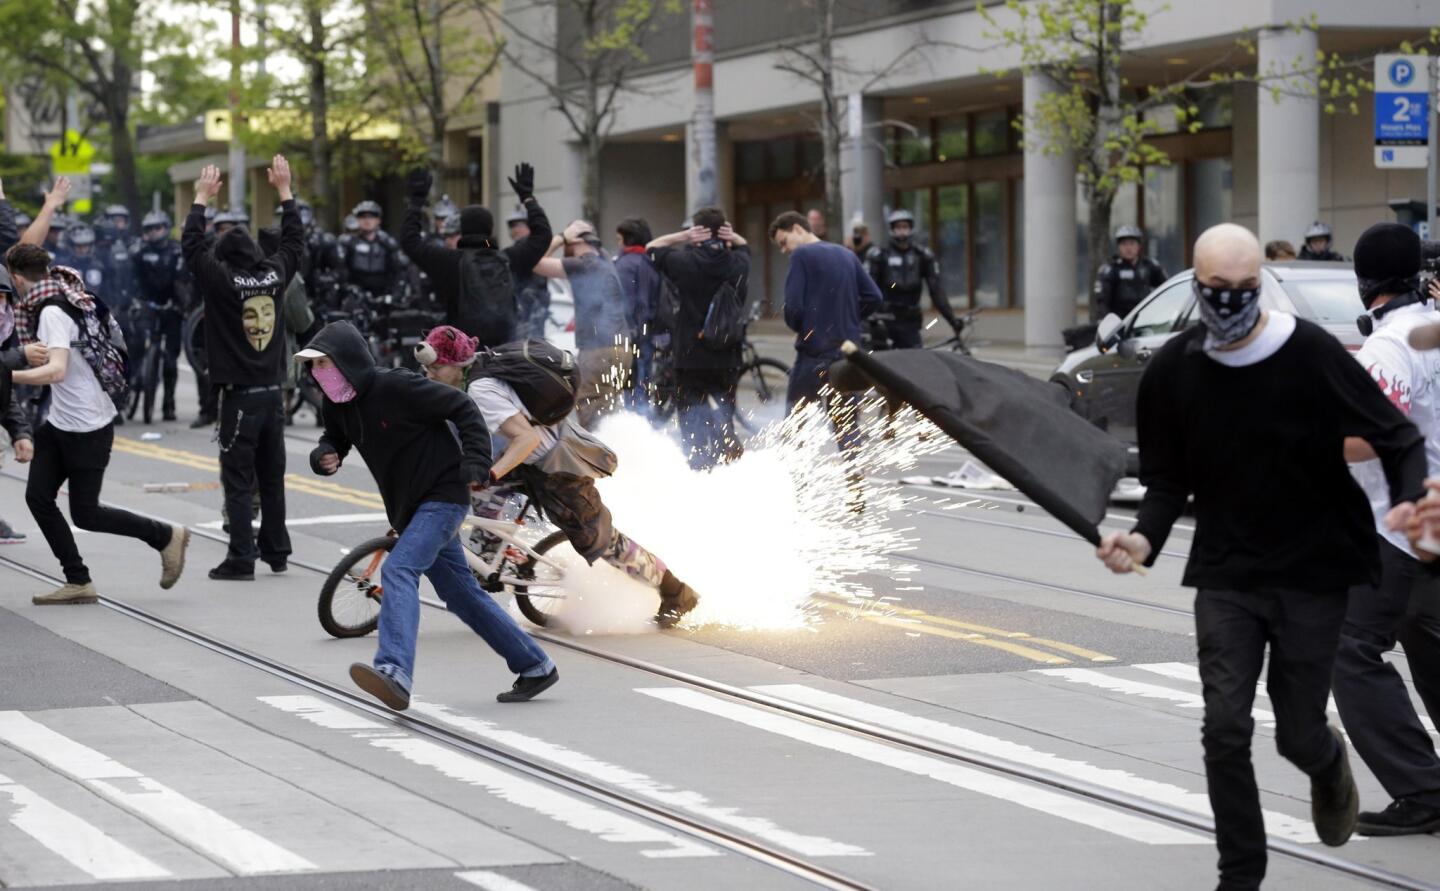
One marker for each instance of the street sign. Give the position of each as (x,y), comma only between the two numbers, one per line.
(70,156)
(1402,111)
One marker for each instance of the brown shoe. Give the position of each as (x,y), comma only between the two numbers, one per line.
(172,557)
(676,599)
(68,594)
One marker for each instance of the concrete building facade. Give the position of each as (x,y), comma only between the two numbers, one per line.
(937,134)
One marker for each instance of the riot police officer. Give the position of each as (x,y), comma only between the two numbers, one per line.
(372,258)
(320,267)
(903,269)
(56,243)
(82,258)
(159,275)
(118,250)
(1124,281)
(1317,244)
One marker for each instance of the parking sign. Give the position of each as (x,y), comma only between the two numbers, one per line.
(1402,111)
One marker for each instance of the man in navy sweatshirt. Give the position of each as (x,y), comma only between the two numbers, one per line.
(827,293)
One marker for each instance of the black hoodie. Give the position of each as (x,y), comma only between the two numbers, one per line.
(697,272)
(398,422)
(244,293)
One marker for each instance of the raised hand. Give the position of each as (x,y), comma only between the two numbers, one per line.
(523,182)
(58,194)
(419,182)
(279,175)
(208,185)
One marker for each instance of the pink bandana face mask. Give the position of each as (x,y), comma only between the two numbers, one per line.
(333,382)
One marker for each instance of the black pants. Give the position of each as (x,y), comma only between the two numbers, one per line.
(171,324)
(1370,693)
(705,403)
(252,456)
(808,378)
(904,333)
(81,459)
(1232,629)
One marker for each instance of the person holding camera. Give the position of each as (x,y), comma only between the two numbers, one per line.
(1373,702)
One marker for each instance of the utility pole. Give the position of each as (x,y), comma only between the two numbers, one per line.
(1432,173)
(703,187)
(237,149)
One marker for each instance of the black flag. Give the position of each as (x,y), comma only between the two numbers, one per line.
(1020,427)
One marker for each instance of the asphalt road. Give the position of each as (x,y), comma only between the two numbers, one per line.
(130,755)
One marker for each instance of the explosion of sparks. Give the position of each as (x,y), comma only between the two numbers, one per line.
(756,538)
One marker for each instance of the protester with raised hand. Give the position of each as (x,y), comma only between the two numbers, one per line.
(1277,542)
(54,200)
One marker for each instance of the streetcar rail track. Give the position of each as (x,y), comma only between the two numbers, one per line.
(721,838)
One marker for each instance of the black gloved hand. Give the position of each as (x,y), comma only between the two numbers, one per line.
(419,182)
(523,182)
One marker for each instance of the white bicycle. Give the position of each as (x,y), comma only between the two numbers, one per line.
(350,598)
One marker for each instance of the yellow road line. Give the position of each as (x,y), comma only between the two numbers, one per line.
(924,617)
(981,640)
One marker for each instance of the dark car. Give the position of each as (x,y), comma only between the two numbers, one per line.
(1103,379)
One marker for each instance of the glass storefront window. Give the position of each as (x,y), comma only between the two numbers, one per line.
(812,158)
(750,162)
(909,147)
(952,138)
(1165,216)
(992,262)
(1211,191)
(782,159)
(1018,298)
(1217,107)
(952,241)
(992,132)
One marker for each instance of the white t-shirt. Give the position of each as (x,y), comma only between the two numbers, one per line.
(1267,343)
(498,402)
(78,404)
(1411,379)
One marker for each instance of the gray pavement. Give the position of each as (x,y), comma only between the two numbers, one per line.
(128,754)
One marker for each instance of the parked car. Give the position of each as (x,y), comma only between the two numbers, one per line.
(1103,379)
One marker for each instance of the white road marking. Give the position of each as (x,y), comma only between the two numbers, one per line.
(491,881)
(559,806)
(640,784)
(1052,803)
(1182,698)
(184,819)
(331,519)
(83,845)
(1109,778)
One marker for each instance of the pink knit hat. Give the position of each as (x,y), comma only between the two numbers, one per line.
(447,345)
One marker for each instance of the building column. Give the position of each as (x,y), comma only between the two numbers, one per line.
(1049,232)
(862,168)
(1288,174)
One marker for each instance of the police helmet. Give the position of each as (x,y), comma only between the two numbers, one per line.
(155,218)
(366,207)
(351,224)
(225,218)
(239,216)
(117,210)
(444,208)
(23,220)
(450,225)
(60,221)
(210,214)
(1129,231)
(518,215)
(80,235)
(1318,230)
(900,215)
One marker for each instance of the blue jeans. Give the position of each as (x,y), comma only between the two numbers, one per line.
(705,403)
(429,545)
(808,378)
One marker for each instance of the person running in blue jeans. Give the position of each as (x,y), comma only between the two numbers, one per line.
(397,420)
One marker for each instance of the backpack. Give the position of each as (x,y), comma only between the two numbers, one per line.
(667,308)
(725,321)
(485,307)
(544,377)
(102,343)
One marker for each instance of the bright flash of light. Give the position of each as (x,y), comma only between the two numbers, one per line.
(756,537)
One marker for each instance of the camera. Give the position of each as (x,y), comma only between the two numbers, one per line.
(1429,265)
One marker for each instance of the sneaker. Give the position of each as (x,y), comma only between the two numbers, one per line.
(1334,800)
(202,421)
(172,557)
(676,599)
(8,535)
(68,593)
(526,689)
(381,686)
(233,571)
(1402,817)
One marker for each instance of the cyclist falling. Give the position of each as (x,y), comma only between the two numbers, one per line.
(533,457)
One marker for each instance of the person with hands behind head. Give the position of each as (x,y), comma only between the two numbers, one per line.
(1248,412)
(401,424)
(245,332)
(475,280)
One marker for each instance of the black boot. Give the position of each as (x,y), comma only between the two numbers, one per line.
(1402,817)
(1334,799)
(234,571)
(676,599)
(526,689)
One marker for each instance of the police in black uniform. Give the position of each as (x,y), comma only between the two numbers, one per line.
(372,259)
(1124,281)
(320,268)
(82,258)
(117,248)
(903,269)
(1317,244)
(159,277)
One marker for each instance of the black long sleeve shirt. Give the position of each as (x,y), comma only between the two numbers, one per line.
(1261,447)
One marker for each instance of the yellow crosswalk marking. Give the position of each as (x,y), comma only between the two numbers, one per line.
(917,627)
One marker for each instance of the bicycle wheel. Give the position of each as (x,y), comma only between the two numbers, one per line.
(350,598)
(547,579)
(193,340)
(769,378)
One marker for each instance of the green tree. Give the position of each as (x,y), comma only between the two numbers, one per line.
(97,47)
(587,68)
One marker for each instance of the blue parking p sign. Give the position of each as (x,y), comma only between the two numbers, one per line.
(1402,111)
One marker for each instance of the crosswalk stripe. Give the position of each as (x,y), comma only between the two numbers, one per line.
(969,740)
(83,845)
(1055,804)
(491,881)
(557,805)
(1114,684)
(184,819)
(640,784)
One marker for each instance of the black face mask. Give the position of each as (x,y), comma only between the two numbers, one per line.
(1227,313)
